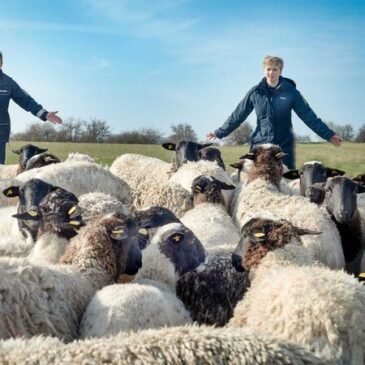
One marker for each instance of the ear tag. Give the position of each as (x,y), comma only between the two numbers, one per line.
(9,192)
(197,189)
(72,210)
(259,235)
(74,223)
(362,275)
(32,213)
(170,147)
(334,172)
(118,231)
(177,238)
(143,231)
(280,155)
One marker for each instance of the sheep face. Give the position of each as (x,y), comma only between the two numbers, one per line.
(316,192)
(208,189)
(267,163)
(341,198)
(259,236)
(122,233)
(30,194)
(185,151)
(26,152)
(312,172)
(181,246)
(57,213)
(212,154)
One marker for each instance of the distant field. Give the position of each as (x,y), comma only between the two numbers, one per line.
(349,157)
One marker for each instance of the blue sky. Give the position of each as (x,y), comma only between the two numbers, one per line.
(154,63)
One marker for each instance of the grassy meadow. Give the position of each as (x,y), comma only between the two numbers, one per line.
(350,157)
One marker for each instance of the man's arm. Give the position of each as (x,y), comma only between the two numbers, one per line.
(239,115)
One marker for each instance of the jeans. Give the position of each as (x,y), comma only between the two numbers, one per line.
(2,151)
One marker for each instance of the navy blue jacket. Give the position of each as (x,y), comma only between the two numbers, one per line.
(9,89)
(273,111)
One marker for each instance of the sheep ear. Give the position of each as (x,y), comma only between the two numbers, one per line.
(118,233)
(249,156)
(291,174)
(41,150)
(200,146)
(169,146)
(223,186)
(11,191)
(176,237)
(360,188)
(237,165)
(360,179)
(30,215)
(304,231)
(334,172)
(280,155)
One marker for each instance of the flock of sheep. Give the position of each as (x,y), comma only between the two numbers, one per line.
(148,262)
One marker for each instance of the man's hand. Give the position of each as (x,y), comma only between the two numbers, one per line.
(52,117)
(211,136)
(336,140)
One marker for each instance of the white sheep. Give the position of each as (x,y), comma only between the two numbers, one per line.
(150,300)
(171,345)
(50,300)
(293,298)
(80,177)
(262,193)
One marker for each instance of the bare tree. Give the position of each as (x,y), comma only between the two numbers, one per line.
(302,139)
(182,132)
(241,135)
(96,131)
(360,137)
(142,136)
(346,131)
(71,130)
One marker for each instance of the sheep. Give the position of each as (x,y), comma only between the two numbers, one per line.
(185,175)
(211,294)
(171,345)
(243,166)
(42,159)
(25,153)
(339,196)
(212,154)
(293,298)
(184,151)
(80,177)
(60,218)
(50,300)
(262,193)
(8,171)
(150,300)
(75,156)
(310,173)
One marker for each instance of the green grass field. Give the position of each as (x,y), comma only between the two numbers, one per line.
(349,157)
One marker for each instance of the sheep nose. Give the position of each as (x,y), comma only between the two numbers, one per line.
(237,262)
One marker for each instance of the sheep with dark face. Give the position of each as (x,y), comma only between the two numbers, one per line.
(59,219)
(25,153)
(211,294)
(295,299)
(184,151)
(339,196)
(51,300)
(212,154)
(150,300)
(262,192)
(310,173)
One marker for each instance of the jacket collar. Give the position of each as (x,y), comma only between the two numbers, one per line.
(283,82)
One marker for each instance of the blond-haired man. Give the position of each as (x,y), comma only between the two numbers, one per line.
(9,89)
(273,99)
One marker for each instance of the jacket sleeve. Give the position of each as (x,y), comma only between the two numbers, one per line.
(25,101)
(239,115)
(309,117)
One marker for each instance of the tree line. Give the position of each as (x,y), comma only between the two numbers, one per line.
(98,131)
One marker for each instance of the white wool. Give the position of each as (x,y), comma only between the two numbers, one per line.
(213,227)
(148,302)
(8,171)
(80,177)
(75,156)
(293,299)
(260,195)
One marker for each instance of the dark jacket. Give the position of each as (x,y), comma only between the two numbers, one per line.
(273,111)
(9,89)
